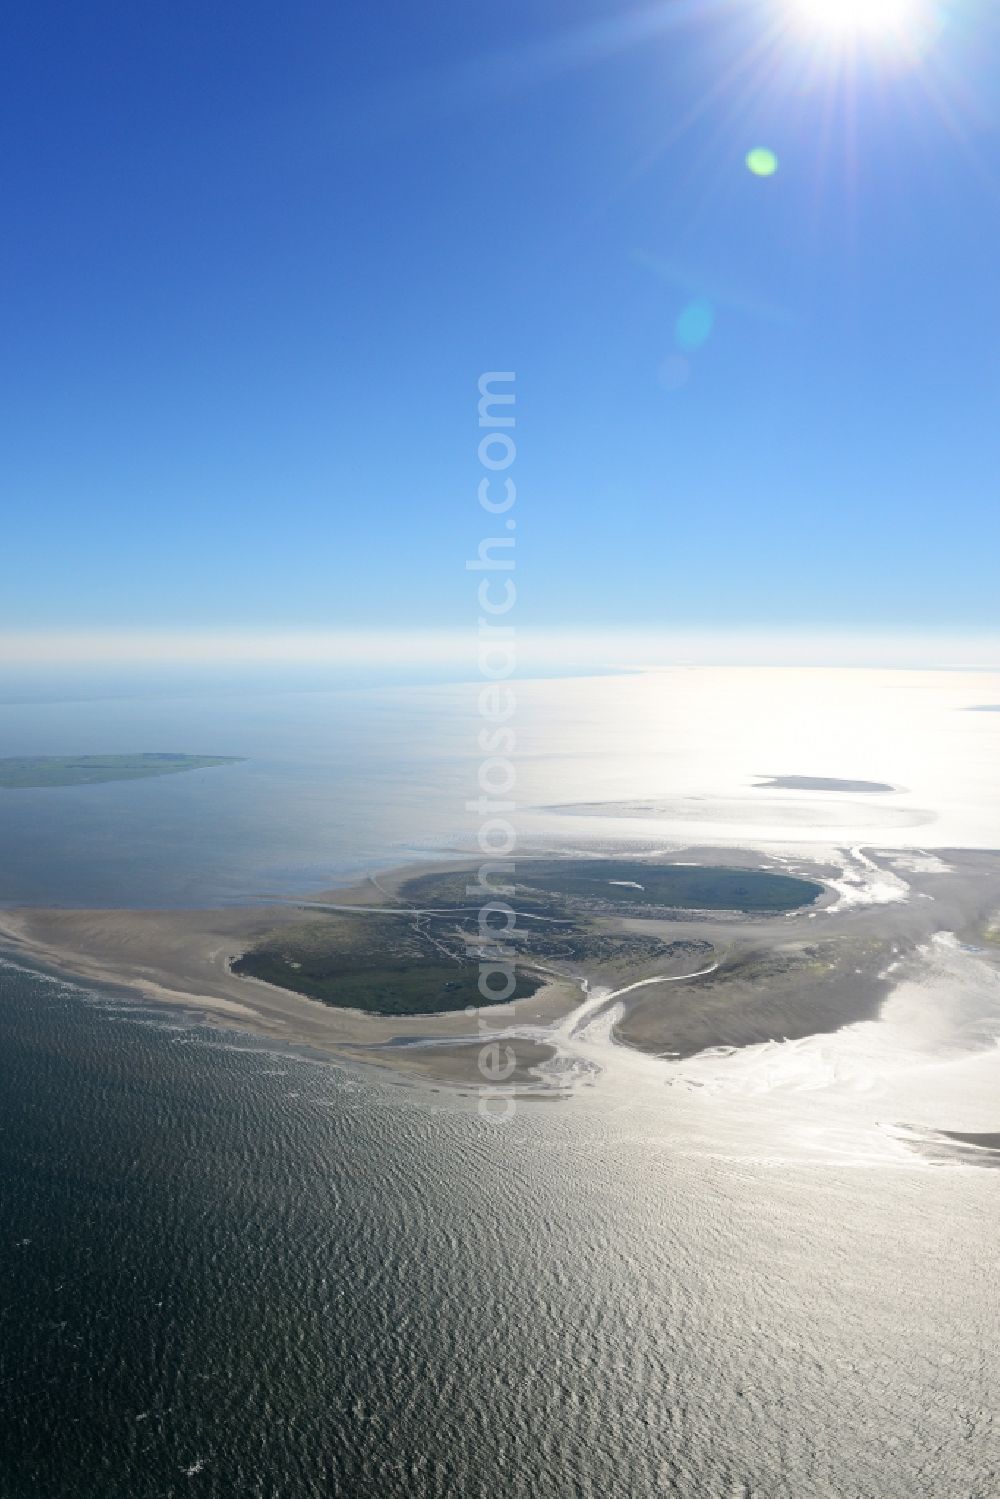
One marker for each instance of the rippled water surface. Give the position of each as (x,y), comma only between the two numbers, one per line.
(228,1272)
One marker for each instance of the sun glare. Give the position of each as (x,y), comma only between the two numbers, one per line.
(855,19)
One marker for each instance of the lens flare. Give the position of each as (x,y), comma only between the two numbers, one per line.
(694,325)
(762,162)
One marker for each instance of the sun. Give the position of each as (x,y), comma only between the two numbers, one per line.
(849,20)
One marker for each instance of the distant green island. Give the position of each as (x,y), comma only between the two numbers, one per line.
(20,771)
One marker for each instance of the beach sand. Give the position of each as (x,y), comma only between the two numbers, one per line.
(182,958)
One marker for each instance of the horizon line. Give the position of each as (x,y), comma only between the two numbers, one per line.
(536,647)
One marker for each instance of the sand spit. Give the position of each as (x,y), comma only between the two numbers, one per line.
(182,958)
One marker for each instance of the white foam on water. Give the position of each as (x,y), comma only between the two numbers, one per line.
(863,883)
(916,861)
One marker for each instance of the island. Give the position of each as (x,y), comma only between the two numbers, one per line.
(421,956)
(668,955)
(822,783)
(18,772)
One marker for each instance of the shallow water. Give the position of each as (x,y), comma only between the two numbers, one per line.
(338,782)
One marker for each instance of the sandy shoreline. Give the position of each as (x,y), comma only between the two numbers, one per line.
(182,958)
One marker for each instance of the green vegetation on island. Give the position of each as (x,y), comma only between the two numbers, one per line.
(21,771)
(425,959)
(387,965)
(548,887)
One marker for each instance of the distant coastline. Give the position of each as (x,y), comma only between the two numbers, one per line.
(20,772)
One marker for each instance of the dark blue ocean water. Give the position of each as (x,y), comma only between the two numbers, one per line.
(225,1272)
(212,1255)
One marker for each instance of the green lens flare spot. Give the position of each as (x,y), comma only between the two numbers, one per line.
(762,162)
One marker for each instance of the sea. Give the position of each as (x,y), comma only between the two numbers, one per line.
(233,1270)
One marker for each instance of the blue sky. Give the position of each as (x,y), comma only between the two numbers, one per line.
(256,257)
